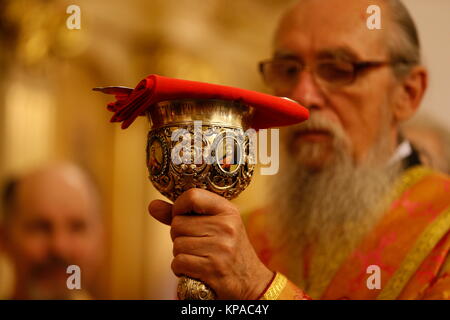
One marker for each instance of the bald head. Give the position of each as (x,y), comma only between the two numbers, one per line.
(52,221)
(59,185)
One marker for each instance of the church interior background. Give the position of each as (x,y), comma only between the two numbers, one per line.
(48,111)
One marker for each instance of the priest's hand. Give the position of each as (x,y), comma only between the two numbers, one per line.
(212,245)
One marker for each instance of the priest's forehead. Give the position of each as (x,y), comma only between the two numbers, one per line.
(317,28)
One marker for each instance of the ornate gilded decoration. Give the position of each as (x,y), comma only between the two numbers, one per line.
(427,241)
(225,175)
(275,288)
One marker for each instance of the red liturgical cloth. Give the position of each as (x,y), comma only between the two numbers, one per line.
(270,111)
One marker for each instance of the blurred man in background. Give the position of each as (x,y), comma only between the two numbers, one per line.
(52,220)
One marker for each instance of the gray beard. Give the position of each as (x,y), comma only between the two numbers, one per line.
(330,209)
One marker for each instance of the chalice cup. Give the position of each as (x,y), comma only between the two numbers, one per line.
(205,144)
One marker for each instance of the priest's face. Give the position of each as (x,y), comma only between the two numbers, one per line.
(350,106)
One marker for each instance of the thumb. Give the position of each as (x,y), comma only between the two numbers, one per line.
(161,211)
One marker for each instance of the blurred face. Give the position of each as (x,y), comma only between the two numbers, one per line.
(55,223)
(328,38)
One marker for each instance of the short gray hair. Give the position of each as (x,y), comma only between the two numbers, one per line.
(404,43)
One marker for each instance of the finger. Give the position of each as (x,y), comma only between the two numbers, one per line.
(161,211)
(194,226)
(202,202)
(199,246)
(189,265)
(189,245)
(201,226)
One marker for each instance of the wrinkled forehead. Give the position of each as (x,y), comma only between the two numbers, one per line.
(315,28)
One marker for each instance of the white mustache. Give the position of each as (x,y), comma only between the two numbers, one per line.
(318,122)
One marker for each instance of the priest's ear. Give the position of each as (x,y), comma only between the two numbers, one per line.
(410,92)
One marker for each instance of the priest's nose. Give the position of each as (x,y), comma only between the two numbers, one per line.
(308,92)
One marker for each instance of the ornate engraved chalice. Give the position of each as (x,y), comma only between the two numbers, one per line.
(199,144)
(202,142)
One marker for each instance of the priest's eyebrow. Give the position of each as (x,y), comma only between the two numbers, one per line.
(338,53)
(281,54)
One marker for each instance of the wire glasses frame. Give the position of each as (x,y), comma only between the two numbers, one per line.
(283,73)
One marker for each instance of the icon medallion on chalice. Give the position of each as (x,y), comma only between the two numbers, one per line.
(200,144)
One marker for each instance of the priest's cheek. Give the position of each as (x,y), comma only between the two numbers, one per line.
(226,261)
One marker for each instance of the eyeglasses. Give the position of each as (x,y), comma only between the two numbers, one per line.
(283,73)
